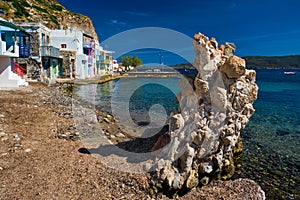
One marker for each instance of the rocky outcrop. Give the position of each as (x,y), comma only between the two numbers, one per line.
(214,107)
(49,12)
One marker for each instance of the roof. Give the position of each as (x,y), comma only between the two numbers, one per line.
(88,36)
(13,26)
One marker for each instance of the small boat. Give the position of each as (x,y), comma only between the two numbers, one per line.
(289,73)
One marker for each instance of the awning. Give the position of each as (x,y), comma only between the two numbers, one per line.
(13,26)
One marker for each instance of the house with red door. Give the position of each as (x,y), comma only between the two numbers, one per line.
(14,43)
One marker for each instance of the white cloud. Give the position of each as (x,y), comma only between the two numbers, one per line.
(141,14)
(116,22)
(257,37)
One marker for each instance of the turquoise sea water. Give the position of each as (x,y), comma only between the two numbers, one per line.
(271,154)
(271,140)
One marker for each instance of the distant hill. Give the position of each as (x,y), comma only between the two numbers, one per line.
(273,62)
(263,62)
(49,12)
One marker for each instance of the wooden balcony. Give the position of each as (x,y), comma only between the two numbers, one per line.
(50,51)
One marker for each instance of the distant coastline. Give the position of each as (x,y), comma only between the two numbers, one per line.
(263,62)
(273,62)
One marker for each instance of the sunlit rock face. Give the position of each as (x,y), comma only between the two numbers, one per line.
(215,106)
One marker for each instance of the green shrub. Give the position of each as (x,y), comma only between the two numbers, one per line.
(40,9)
(24,3)
(53,19)
(20,11)
(56,7)
(40,1)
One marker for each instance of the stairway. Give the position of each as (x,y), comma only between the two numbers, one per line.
(9,79)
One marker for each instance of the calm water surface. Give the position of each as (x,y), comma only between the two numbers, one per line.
(271,141)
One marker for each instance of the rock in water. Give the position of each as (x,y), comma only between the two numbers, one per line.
(214,107)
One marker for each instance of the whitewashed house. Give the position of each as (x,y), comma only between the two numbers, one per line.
(104,60)
(107,60)
(84,47)
(11,41)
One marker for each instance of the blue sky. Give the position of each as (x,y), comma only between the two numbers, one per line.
(264,27)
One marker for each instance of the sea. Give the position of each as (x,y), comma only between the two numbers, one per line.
(271,139)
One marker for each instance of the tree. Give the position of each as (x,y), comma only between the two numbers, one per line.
(135,61)
(130,61)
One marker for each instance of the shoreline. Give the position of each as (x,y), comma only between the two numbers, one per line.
(101,79)
(107,78)
(49,151)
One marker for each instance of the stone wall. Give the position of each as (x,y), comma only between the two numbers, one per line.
(215,106)
(69,60)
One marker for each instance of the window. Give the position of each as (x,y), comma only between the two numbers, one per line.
(63,46)
(43,39)
(48,40)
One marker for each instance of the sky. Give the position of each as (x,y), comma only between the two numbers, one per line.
(256,27)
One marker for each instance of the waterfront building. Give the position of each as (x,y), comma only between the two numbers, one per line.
(14,43)
(80,47)
(106,61)
(44,57)
(69,53)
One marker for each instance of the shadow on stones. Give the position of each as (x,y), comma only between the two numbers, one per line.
(137,145)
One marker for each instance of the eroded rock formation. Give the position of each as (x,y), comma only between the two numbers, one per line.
(214,107)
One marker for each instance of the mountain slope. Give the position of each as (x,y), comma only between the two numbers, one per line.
(263,62)
(49,12)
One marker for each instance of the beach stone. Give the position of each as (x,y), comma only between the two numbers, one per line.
(2,116)
(112,137)
(27,150)
(120,135)
(204,180)
(17,145)
(62,136)
(16,137)
(77,134)
(2,134)
(109,117)
(4,154)
(106,120)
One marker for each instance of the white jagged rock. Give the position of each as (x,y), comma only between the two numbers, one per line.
(213,108)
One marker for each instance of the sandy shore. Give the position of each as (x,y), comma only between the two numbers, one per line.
(40,157)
